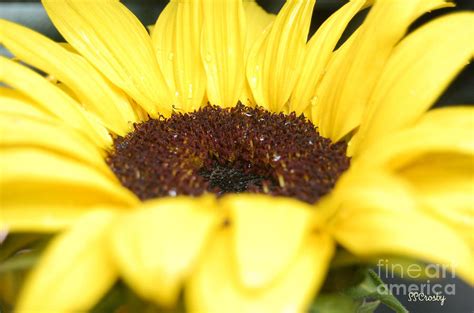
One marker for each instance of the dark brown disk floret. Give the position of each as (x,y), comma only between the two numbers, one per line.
(218,150)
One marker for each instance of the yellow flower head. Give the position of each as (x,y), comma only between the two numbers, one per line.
(407,191)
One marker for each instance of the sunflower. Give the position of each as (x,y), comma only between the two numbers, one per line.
(123,144)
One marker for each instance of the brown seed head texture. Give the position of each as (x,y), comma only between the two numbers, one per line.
(233,150)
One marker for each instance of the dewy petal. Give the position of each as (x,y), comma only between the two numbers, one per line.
(319,51)
(275,61)
(410,83)
(157,246)
(162,40)
(189,74)
(222,50)
(378,216)
(53,100)
(267,235)
(177,41)
(345,97)
(36,183)
(438,131)
(258,21)
(75,271)
(109,36)
(214,286)
(94,92)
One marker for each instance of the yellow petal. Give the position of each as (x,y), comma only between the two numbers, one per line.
(110,37)
(258,21)
(162,40)
(319,51)
(345,97)
(35,184)
(94,92)
(214,287)
(444,184)
(75,271)
(177,46)
(443,174)
(222,50)
(378,216)
(157,246)
(52,100)
(275,62)
(68,47)
(459,116)
(410,84)
(15,103)
(189,74)
(321,115)
(268,234)
(438,131)
(362,187)
(17,132)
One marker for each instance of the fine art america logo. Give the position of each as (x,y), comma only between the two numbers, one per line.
(424,280)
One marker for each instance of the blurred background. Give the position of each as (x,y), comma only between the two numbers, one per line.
(461,91)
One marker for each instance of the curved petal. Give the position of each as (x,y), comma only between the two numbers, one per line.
(53,100)
(75,271)
(35,183)
(378,216)
(109,36)
(157,246)
(321,115)
(444,184)
(222,50)
(14,103)
(267,235)
(275,61)
(438,131)
(319,50)
(410,84)
(95,93)
(344,98)
(258,21)
(177,41)
(18,132)
(189,74)
(162,40)
(214,287)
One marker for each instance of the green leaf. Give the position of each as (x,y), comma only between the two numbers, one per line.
(335,303)
(368,306)
(19,262)
(362,292)
(342,303)
(16,242)
(373,287)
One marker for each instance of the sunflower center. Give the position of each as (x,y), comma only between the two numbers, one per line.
(233,150)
